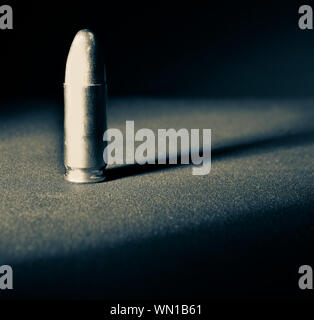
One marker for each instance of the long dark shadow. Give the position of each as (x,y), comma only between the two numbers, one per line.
(299,138)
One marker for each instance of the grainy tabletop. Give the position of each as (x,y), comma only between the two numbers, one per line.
(157,231)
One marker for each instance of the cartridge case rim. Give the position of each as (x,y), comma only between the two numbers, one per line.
(85,175)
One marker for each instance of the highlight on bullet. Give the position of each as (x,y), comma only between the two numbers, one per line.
(84,110)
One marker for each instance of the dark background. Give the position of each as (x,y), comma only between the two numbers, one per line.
(222,49)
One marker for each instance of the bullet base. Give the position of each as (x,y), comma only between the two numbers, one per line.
(77,175)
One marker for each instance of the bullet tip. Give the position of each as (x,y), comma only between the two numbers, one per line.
(85,64)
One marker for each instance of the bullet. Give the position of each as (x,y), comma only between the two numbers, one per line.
(84,110)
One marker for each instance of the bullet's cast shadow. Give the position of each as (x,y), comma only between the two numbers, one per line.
(299,138)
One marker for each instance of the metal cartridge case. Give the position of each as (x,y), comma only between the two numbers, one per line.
(84,110)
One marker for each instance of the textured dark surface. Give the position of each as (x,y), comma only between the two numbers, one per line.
(242,230)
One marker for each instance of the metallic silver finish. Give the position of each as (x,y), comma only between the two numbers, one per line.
(85,110)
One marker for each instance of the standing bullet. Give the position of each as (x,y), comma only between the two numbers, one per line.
(84,110)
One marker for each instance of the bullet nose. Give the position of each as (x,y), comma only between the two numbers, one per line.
(85,63)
